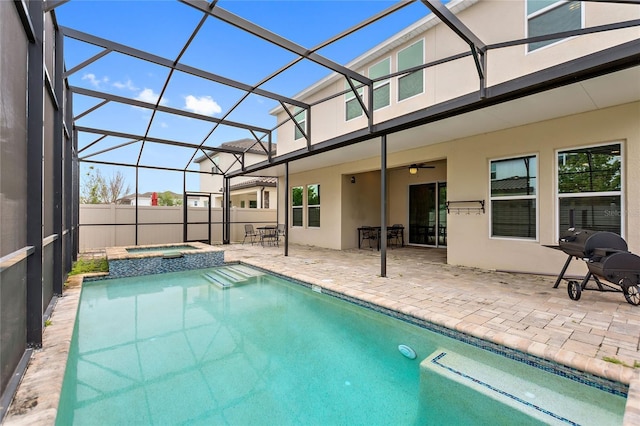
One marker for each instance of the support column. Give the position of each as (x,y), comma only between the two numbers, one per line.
(35,139)
(226,210)
(286,209)
(58,147)
(383,206)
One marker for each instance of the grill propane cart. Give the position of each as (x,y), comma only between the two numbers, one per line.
(610,265)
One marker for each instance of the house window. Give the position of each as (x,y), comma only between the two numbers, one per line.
(551,16)
(590,188)
(301,119)
(242,204)
(353,109)
(411,84)
(253,204)
(514,197)
(381,89)
(313,206)
(296,205)
(216,166)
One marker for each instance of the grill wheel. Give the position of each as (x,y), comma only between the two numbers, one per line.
(575,290)
(631,291)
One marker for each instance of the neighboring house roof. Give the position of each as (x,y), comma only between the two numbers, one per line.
(514,184)
(260,181)
(240,145)
(410,32)
(148,195)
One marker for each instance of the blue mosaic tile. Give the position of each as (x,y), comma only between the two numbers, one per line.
(159,265)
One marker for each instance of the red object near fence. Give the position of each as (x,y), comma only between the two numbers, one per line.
(154,199)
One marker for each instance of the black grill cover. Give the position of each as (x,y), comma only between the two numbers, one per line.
(582,242)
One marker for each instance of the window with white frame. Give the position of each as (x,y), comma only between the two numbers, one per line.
(313,206)
(590,188)
(514,197)
(301,118)
(382,88)
(413,83)
(215,169)
(297,207)
(353,109)
(551,16)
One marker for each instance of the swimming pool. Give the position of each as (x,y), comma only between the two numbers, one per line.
(232,345)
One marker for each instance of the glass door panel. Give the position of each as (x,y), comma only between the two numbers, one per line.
(442,213)
(428,214)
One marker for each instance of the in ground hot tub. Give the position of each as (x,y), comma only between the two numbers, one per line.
(159,258)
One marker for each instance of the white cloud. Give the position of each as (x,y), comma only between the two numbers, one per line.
(95,82)
(126,85)
(148,95)
(164,125)
(202,105)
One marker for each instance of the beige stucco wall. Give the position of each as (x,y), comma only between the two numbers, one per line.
(97,227)
(464,165)
(468,168)
(227,162)
(457,78)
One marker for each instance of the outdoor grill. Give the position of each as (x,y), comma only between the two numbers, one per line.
(608,260)
(581,243)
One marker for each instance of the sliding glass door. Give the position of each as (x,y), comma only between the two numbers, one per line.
(428,214)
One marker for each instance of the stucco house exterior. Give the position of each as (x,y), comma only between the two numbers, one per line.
(495,183)
(246,192)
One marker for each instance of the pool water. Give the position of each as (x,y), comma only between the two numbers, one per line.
(232,345)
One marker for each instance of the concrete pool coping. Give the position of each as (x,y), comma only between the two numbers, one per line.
(120,253)
(457,298)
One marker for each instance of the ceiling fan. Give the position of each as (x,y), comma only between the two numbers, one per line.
(413,169)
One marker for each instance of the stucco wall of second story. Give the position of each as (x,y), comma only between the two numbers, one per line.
(493,22)
(226,163)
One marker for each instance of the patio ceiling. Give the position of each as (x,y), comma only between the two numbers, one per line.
(578,86)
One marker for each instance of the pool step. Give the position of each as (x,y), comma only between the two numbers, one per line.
(214,279)
(246,271)
(228,276)
(554,401)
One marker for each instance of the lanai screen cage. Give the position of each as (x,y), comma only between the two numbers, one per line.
(240,61)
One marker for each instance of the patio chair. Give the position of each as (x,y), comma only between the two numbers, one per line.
(251,233)
(280,230)
(369,233)
(394,235)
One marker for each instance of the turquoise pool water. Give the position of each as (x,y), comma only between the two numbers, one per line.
(234,346)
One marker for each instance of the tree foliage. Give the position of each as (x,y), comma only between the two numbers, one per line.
(589,172)
(167,199)
(97,189)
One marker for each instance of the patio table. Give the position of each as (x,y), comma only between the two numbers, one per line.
(268,234)
(378,230)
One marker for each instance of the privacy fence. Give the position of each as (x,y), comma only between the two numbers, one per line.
(110,225)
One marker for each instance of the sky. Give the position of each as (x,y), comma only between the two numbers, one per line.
(162,28)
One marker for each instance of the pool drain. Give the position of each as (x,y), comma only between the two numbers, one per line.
(407,351)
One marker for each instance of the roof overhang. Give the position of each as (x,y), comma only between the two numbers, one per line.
(600,80)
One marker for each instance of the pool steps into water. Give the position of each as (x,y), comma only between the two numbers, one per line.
(231,275)
(547,404)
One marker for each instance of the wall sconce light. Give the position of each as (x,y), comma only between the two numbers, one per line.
(413,169)
(353,179)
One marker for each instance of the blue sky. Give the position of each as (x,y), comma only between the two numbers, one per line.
(162,28)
